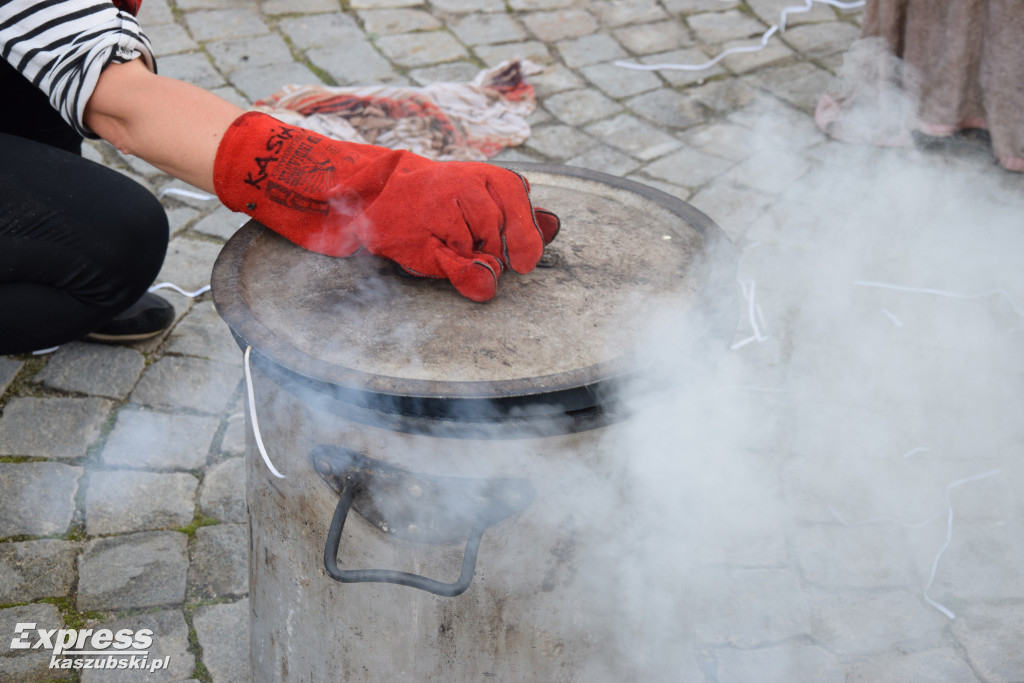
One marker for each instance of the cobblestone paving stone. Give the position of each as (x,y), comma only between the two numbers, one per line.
(122,500)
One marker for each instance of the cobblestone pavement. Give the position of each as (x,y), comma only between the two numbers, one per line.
(870,529)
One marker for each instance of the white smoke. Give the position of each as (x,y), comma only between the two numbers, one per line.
(779,503)
(860,434)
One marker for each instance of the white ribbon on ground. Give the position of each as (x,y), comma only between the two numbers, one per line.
(779,27)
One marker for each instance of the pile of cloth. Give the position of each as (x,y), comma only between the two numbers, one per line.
(470,121)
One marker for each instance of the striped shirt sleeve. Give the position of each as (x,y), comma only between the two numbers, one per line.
(62,47)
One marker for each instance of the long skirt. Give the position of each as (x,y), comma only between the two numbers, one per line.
(934,67)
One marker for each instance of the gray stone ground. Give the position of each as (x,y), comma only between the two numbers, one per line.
(868,528)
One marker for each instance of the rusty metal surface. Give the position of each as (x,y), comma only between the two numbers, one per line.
(624,252)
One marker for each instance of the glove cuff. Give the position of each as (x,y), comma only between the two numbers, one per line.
(304,186)
(240,169)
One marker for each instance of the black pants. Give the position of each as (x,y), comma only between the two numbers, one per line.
(79,243)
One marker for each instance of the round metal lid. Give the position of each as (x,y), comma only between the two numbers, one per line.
(552,336)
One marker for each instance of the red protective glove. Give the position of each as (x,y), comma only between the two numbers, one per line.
(464,221)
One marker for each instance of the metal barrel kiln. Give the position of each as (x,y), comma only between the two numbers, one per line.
(436,451)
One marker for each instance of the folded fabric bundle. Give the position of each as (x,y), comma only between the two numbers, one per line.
(443,121)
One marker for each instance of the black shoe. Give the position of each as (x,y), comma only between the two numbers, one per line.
(146,318)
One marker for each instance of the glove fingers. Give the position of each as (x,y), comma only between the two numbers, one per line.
(548,223)
(523,240)
(484,220)
(475,278)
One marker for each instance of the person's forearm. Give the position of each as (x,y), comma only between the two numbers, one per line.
(173,125)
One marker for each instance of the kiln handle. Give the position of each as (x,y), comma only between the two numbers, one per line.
(447,590)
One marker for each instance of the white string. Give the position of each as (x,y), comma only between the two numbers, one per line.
(895,321)
(940,292)
(760,319)
(949,538)
(162,285)
(780,27)
(186,193)
(949,531)
(705,65)
(255,422)
(754,314)
(919,449)
(743,342)
(807,8)
(935,565)
(171,285)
